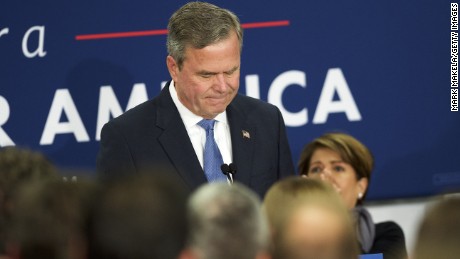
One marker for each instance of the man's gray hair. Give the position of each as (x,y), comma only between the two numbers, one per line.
(200,24)
(226,222)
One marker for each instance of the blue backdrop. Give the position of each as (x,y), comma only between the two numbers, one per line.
(378,70)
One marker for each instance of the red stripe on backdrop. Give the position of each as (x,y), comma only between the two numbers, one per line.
(265,24)
(114,35)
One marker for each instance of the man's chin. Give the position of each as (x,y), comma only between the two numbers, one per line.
(212,113)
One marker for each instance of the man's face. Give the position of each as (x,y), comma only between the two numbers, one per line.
(209,78)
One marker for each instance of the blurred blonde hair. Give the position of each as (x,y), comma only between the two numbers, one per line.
(285,197)
(439,232)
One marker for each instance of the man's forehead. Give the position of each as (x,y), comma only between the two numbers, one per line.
(198,62)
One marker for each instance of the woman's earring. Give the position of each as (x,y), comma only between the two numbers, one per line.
(360,196)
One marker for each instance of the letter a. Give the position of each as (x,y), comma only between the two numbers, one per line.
(110,107)
(63,103)
(40,50)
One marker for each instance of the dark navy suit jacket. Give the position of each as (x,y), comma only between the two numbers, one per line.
(152,137)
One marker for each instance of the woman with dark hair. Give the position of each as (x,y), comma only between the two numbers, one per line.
(345,163)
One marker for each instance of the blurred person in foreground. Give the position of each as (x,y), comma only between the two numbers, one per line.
(226,222)
(439,232)
(309,221)
(199,121)
(346,164)
(48,220)
(141,216)
(18,166)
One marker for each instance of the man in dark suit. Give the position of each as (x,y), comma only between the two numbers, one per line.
(199,121)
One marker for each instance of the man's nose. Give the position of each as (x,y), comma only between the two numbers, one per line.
(220,83)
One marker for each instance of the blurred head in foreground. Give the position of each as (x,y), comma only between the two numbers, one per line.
(308,220)
(140,216)
(18,166)
(439,233)
(49,218)
(226,222)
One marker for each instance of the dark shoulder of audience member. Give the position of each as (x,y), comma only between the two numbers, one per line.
(139,216)
(19,165)
(48,219)
(439,232)
(389,240)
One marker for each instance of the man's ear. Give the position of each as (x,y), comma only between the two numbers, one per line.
(173,67)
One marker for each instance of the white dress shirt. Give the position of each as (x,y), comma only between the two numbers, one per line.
(197,134)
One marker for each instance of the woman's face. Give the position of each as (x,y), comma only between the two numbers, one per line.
(327,165)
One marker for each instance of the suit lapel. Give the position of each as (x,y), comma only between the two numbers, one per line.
(242,134)
(176,142)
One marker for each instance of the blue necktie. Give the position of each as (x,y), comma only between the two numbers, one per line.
(212,157)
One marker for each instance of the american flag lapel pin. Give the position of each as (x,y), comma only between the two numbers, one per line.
(246,134)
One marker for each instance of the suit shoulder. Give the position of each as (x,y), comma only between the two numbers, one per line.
(141,112)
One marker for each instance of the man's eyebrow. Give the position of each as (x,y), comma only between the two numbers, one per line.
(204,72)
(232,70)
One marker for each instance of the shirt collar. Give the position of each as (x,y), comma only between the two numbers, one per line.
(189,118)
